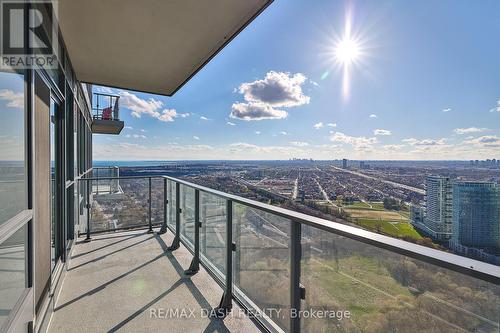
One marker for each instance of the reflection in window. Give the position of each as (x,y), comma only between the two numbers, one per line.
(54,253)
(12,271)
(12,169)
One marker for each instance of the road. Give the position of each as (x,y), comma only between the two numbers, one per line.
(406,187)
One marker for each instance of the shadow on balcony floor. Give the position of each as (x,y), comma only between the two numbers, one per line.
(128,282)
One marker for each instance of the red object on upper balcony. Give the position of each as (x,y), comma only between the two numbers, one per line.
(106,113)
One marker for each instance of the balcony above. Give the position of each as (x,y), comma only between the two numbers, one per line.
(106,114)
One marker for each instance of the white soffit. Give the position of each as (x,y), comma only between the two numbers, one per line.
(152,46)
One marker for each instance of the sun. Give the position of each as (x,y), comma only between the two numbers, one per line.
(347,51)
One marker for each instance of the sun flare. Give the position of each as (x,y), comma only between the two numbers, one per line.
(347,51)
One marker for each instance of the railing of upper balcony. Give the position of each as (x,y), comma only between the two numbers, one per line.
(295,272)
(109,182)
(105,106)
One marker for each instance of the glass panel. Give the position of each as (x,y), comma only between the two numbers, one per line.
(103,184)
(12,171)
(213,236)
(261,261)
(126,208)
(12,271)
(187,215)
(157,194)
(76,119)
(171,204)
(367,289)
(69,135)
(54,163)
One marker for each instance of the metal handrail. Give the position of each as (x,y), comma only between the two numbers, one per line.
(464,265)
(467,266)
(472,267)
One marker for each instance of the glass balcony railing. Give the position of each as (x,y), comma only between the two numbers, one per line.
(298,273)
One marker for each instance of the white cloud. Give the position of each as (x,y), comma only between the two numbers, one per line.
(469,130)
(485,141)
(151,107)
(257,132)
(299,144)
(319,125)
(196,137)
(331,125)
(139,136)
(373,116)
(129,127)
(277,89)
(446,110)
(14,99)
(104,90)
(496,108)
(382,132)
(393,147)
(143,130)
(284,133)
(262,97)
(231,124)
(359,143)
(256,111)
(204,118)
(167,115)
(425,142)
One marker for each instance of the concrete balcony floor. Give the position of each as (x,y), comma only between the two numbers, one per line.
(119,281)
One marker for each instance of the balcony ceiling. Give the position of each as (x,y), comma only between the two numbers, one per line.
(152,46)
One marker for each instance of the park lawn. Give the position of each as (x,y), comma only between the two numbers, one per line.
(395,229)
(361,285)
(375,214)
(358,204)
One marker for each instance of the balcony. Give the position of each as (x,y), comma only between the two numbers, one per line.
(288,271)
(106,114)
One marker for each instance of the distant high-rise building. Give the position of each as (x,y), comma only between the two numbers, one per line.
(417,216)
(437,223)
(476,220)
(344,163)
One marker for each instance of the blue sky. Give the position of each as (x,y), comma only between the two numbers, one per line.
(424,85)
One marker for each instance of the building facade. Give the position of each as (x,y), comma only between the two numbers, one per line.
(437,223)
(476,220)
(48,118)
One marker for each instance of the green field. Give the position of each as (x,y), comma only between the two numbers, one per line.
(395,229)
(373,216)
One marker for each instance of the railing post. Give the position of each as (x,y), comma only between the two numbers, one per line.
(226,303)
(97,181)
(177,239)
(297,292)
(88,239)
(195,263)
(150,229)
(165,206)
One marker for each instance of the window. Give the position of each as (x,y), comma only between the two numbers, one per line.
(55,162)
(12,271)
(13,196)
